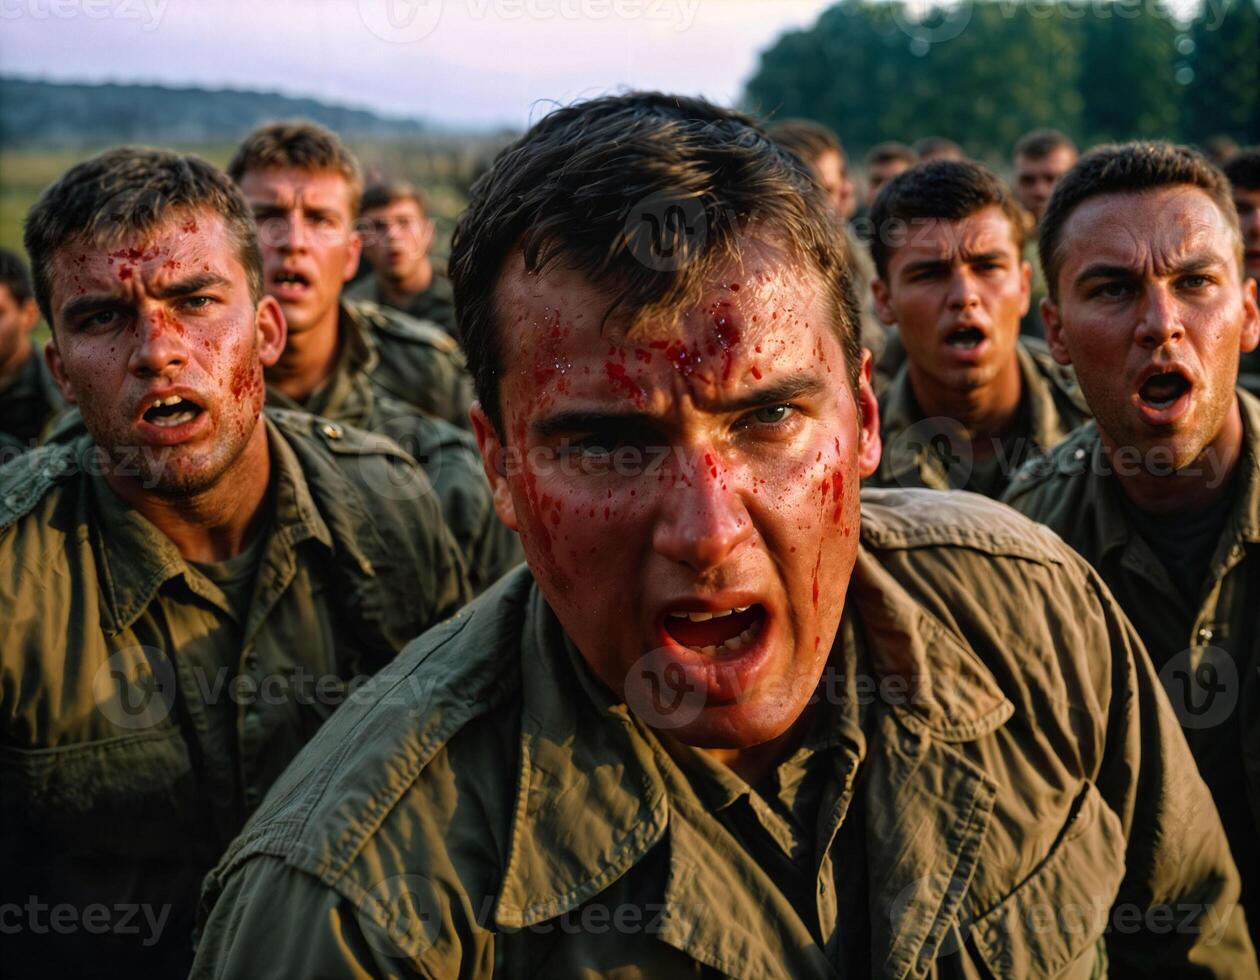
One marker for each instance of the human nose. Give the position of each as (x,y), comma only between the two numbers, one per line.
(962,290)
(1160,321)
(704,519)
(160,349)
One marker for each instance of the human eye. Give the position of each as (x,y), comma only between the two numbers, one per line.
(1111,290)
(769,418)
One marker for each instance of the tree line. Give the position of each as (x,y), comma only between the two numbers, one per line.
(983,72)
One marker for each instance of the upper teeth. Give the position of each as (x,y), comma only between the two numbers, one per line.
(163,402)
(700,617)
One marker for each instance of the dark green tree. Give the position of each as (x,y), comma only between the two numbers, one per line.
(1221,71)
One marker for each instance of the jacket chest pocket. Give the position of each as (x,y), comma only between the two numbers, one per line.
(134,794)
(1053,924)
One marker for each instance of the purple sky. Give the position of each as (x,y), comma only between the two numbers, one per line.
(454,62)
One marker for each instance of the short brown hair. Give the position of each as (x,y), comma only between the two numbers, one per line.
(301,145)
(1040,143)
(580,186)
(1243,169)
(948,190)
(938,148)
(131,191)
(809,140)
(1128,168)
(890,153)
(14,276)
(384,194)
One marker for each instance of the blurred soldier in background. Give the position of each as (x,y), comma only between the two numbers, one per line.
(1243,171)
(1041,158)
(304,188)
(343,357)
(189,588)
(884,162)
(28,395)
(821,151)
(1162,493)
(938,148)
(972,402)
(397,238)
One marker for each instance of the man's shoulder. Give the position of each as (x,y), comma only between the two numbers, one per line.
(902,520)
(30,483)
(1061,378)
(393,328)
(1047,484)
(452,690)
(333,439)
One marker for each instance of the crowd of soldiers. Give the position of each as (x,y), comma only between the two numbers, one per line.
(707,573)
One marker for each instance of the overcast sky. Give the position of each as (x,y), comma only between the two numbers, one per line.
(455,62)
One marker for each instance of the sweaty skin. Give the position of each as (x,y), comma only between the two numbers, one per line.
(310,249)
(162,316)
(951,277)
(702,465)
(1157,290)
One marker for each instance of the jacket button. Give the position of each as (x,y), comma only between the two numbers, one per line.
(330,430)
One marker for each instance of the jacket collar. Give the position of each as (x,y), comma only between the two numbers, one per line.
(136,559)
(346,395)
(907,461)
(592,799)
(1112,523)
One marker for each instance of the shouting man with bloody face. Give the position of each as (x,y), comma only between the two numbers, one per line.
(732,718)
(1149,301)
(188,588)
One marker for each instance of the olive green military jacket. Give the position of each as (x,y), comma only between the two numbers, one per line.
(1206,647)
(27,406)
(416,362)
(936,453)
(141,720)
(436,304)
(485,810)
(351,395)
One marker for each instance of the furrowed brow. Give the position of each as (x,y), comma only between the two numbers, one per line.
(190,285)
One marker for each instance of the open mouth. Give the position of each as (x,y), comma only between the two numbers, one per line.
(1162,390)
(717,633)
(290,282)
(167,413)
(965,338)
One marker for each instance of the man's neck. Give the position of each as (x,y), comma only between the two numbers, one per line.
(986,413)
(1191,488)
(753,765)
(309,358)
(400,291)
(218,523)
(12,366)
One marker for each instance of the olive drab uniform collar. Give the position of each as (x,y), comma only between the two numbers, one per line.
(918,454)
(347,395)
(136,560)
(567,741)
